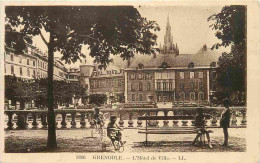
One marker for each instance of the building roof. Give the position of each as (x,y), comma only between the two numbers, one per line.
(204,57)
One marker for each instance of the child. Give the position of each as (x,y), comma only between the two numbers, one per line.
(225,120)
(97,118)
(113,130)
(200,126)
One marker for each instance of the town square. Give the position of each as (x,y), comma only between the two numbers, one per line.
(118,79)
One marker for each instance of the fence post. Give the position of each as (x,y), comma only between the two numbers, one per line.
(82,120)
(165,122)
(10,120)
(63,121)
(34,123)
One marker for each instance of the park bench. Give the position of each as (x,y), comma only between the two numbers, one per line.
(184,129)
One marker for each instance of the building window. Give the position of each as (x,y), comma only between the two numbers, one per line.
(200,75)
(182,86)
(148,86)
(164,86)
(97,84)
(28,72)
(214,75)
(181,75)
(200,85)
(148,76)
(191,75)
(201,96)
(132,87)
(20,59)
(143,76)
(182,96)
(28,62)
(170,86)
(191,85)
(214,86)
(140,66)
(213,64)
(120,83)
(12,69)
(34,73)
(132,76)
(136,75)
(140,76)
(191,65)
(12,57)
(192,96)
(140,87)
(34,63)
(158,86)
(133,97)
(21,71)
(140,97)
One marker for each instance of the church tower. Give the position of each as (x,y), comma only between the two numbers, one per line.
(169,47)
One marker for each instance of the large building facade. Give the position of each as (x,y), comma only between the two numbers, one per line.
(167,76)
(110,82)
(32,64)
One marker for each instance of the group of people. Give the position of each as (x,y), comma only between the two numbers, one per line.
(113,130)
(224,123)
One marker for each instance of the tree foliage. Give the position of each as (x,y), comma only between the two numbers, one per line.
(97,99)
(230,26)
(18,90)
(117,30)
(107,30)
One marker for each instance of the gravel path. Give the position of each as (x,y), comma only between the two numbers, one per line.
(81,140)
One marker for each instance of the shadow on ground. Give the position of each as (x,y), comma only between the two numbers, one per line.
(235,145)
(15,144)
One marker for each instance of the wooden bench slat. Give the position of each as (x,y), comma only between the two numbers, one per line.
(169,128)
(166,118)
(175,117)
(170,132)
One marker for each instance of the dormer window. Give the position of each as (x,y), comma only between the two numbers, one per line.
(140,66)
(213,64)
(191,65)
(164,65)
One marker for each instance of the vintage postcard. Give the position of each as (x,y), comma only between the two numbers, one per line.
(149,81)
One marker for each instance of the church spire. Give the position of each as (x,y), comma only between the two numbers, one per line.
(168,46)
(168,22)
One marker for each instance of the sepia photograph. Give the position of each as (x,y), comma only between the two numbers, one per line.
(115,79)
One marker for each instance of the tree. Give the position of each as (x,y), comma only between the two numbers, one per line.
(107,30)
(97,99)
(230,26)
(18,90)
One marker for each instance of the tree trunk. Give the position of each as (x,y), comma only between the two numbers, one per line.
(51,140)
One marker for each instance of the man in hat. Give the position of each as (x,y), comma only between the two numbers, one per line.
(225,120)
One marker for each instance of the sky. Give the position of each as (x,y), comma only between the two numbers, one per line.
(189,26)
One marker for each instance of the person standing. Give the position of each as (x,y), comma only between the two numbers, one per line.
(200,126)
(225,120)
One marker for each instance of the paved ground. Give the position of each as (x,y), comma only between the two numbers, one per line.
(81,140)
